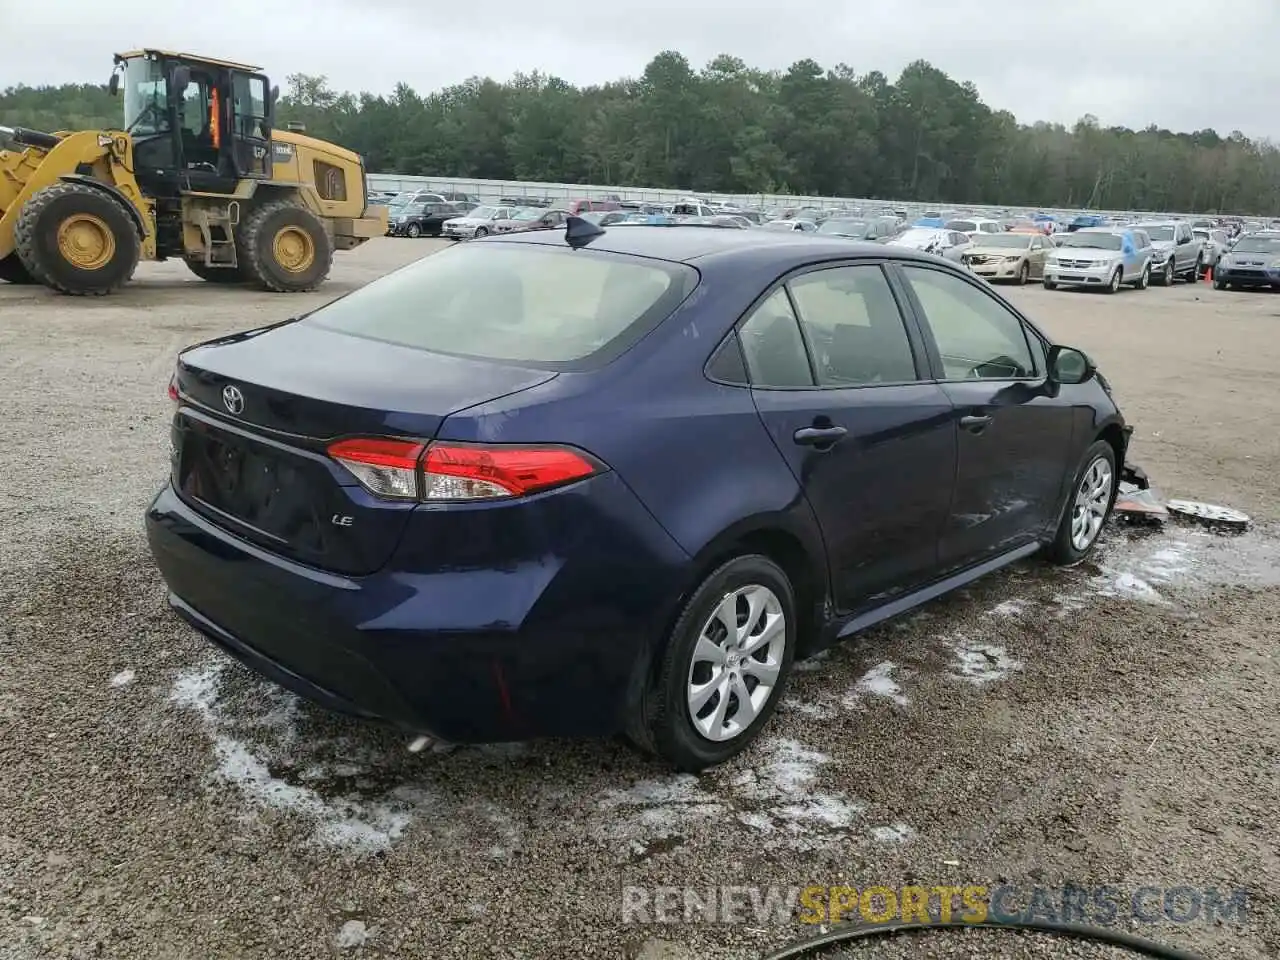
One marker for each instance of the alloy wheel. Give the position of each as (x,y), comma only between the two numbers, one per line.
(736,662)
(1093,497)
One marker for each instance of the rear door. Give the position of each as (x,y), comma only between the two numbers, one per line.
(837,379)
(1014,436)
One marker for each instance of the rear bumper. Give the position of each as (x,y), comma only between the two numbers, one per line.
(542,624)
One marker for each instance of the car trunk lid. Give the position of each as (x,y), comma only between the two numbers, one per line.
(257,411)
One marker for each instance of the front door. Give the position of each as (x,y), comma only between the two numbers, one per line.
(250,116)
(1014,436)
(835,379)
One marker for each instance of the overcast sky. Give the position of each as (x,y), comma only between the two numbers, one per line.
(1182,64)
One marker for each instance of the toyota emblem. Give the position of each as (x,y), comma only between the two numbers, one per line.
(232,399)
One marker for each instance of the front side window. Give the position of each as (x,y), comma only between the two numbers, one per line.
(854,327)
(977,337)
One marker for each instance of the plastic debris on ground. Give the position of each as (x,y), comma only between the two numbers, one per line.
(1137,501)
(1210,514)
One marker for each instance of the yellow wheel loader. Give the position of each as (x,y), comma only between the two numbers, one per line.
(197,172)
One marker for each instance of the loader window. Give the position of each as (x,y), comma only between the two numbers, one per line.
(146,107)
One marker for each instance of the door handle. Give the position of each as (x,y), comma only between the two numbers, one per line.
(818,436)
(975,424)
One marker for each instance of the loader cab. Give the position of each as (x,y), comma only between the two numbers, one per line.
(197,124)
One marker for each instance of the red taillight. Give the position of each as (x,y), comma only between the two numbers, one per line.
(478,472)
(386,468)
(459,471)
(173,388)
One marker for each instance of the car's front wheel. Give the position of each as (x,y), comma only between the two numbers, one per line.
(1092,497)
(724,667)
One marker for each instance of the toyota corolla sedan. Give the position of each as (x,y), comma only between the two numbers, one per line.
(614,480)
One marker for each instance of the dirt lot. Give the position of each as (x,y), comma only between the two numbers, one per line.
(1113,724)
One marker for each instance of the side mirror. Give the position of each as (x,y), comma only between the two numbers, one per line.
(1069,365)
(113,85)
(275,95)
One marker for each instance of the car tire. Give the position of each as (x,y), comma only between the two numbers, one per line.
(1024,274)
(1114,284)
(1088,505)
(413,231)
(1050,285)
(481,232)
(1194,275)
(1166,274)
(668,720)
(1219,283)
(1144,280)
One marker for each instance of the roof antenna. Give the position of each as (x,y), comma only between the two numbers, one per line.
(579,232)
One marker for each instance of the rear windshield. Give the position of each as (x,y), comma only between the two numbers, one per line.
(521,303)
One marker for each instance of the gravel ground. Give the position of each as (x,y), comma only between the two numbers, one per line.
(1112,724)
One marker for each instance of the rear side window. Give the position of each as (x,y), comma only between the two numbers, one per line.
(773,347)
(854,327)
(521,303)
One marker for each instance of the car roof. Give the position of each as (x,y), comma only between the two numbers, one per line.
(693,244)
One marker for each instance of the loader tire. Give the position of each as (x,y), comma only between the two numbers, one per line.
(12,270)
(78,240)
(284,248)
(221,275)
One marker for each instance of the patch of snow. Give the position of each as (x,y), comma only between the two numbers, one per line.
(123,678)
(980,663)
(349,822)
(1010,608)
(877,682)
(353,934)
(775,797)
(811,709)
(812,664)
(892,833)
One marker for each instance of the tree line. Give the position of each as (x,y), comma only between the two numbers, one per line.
(729,128)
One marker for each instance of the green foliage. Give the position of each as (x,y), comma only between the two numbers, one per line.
(733,129)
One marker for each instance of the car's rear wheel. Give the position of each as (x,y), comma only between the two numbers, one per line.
(723,669)
(1092,497)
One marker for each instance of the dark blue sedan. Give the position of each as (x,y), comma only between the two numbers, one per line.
(616,480)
